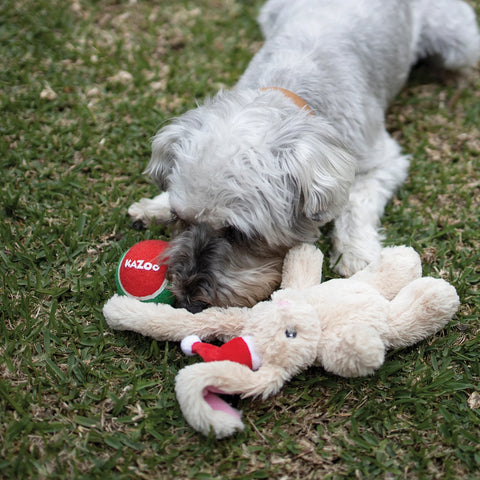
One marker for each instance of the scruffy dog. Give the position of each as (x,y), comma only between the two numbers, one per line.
(300,141)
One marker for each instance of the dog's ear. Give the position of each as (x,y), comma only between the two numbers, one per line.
(163,154)
(321,171)
(172,143)
(332,173)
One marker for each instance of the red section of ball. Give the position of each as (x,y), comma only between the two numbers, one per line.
(140,272)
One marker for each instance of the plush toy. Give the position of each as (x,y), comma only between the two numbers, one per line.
(345,325)
(141,273)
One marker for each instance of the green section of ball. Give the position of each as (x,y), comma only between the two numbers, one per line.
(164,296)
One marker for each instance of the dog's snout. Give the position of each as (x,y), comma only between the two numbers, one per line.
(197,258)
(192,307)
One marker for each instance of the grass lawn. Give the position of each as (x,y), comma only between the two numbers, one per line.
(84,85)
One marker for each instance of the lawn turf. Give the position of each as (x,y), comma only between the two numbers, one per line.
(83,87)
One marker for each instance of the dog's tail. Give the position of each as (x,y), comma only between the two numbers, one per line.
(449,33)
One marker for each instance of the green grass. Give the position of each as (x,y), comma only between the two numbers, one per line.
(80,401)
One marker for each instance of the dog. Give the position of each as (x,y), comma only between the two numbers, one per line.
(300,141)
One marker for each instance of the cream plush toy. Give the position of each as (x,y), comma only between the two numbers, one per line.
(345,325)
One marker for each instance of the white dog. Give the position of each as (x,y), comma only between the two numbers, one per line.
(299,142)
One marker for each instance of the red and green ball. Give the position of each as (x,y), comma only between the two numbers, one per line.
(141,273)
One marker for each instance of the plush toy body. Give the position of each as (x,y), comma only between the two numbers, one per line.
(141,273)
(345,325)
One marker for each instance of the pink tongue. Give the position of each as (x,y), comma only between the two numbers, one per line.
(217,403)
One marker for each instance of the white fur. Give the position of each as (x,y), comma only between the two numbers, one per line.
(187,343)
(251,159)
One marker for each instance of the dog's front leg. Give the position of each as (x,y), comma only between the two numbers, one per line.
(356,237)
(149,210)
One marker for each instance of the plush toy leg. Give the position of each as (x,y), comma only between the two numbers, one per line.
(164,322)
(197,387)
(421,309)
(352,350)
(397,267)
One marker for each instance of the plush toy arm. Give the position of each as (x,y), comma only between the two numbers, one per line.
(197,387)
(302,267)
(163,322)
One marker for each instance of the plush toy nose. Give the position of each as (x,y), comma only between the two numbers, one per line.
(239,349)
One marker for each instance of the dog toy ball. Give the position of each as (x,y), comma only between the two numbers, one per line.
(141,274)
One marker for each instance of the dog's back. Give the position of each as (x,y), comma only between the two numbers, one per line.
(387,36)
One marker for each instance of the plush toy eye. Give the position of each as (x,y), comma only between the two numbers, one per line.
(290,333)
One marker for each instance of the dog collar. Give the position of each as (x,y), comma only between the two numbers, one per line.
(298,101)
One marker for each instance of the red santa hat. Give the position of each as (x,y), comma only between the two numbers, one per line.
(239,349)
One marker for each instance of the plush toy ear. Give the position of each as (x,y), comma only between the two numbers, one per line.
(302,267)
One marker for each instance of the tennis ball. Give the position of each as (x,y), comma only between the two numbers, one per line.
(141,273)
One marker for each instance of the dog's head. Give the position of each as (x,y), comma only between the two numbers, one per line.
(249,175)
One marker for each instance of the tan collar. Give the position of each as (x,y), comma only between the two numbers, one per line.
(298,101)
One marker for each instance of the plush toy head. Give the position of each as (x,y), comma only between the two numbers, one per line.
(141,273)
(344,325)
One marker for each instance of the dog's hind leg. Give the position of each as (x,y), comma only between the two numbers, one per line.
(148,210)
(355,236)
(448,33)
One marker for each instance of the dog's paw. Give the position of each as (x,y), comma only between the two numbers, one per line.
(138,225)
(347,264)
(147,210)
(140,213)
